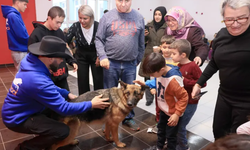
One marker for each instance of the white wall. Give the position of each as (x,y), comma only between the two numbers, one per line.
(211,19)
(42,8)
(144,7)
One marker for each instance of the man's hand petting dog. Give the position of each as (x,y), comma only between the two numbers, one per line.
(72,96)
(98,102)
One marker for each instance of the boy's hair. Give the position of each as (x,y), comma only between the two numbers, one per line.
(168,39)
(153,63)
(56,11)
(14,1)
(231,142)
(182,45)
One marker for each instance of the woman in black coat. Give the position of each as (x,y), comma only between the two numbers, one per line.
(84,32)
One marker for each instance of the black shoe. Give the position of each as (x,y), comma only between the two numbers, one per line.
(153,148)
(18,147)
(149,103)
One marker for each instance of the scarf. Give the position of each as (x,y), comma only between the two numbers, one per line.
(185,21)
(163,11)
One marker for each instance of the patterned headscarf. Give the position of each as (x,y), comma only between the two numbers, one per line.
(185,21)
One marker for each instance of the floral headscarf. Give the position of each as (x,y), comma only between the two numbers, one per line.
(185,21)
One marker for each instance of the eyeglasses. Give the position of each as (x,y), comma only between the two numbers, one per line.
(239,21)
(172,21)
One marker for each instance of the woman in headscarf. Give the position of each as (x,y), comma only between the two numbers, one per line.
(183,26)
(153,34)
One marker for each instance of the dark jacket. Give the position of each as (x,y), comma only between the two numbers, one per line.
(36,36)
(81,43)
(199,48)
(152,39)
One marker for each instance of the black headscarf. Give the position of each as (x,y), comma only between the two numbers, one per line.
(163,11)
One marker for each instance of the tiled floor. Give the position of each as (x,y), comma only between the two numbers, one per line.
(91,136)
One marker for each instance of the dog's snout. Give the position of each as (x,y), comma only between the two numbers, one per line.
(130,104)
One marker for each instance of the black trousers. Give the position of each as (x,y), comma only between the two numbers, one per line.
(83,73)
(227,118)
(166,132)
(49,132)
(149,96)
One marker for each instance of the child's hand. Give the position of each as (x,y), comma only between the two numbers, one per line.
(173,120)
(139,82)
(156,49)
(153,91)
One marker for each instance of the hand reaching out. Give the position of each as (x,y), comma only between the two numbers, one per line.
(139,82)
(98,102)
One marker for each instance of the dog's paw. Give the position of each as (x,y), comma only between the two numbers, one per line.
(120,144)
(74,142)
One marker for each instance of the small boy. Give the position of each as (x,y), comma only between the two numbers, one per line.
(180,51)
(171,96)
(166,40)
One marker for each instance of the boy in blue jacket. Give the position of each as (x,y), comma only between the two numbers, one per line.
(16,31)
(32,92)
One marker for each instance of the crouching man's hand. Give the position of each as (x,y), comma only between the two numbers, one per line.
(98,102)
(72,96)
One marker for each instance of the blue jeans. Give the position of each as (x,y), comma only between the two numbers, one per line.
(182,131)
(120,70)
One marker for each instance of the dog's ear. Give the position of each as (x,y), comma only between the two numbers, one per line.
(123,85)
(144,87)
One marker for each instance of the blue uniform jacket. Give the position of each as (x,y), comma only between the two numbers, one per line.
(32,91)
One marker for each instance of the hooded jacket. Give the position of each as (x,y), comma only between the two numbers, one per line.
(36,36)
(172,98)
(16,31)
(32,91)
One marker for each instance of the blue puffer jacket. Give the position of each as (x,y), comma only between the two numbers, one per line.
(32,91)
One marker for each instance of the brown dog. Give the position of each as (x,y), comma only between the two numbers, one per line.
(122,100)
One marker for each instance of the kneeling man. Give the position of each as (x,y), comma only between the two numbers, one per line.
(33,93)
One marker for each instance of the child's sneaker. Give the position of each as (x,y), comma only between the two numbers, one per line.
(131,124)
(155,129)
